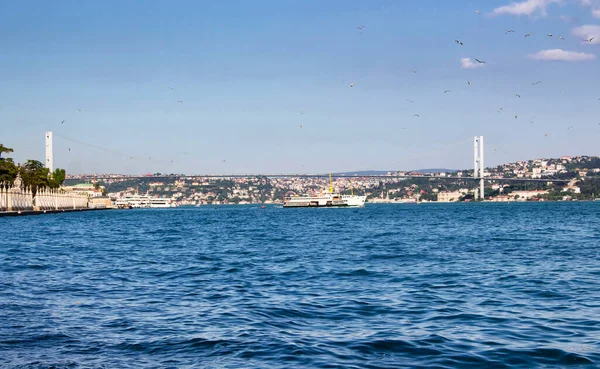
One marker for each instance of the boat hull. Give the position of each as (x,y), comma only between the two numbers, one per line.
(316,202)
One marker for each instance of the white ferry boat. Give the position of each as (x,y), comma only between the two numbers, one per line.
(144,201)
(327,199)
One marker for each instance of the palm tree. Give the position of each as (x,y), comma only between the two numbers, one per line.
(4,149)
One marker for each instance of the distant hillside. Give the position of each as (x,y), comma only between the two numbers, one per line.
(384,172)
(435,170)
(364,173)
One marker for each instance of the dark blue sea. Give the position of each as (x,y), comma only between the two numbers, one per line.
(385,286)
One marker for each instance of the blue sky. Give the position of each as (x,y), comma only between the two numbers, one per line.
(245,70)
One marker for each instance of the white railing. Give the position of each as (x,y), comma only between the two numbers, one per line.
(15,199)
(23,199)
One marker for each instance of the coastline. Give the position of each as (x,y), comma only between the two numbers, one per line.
(41,212)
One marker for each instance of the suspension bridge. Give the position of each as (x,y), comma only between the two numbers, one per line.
(479,174)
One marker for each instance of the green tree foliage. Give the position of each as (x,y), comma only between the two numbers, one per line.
(590,187)
(4,150)
(57,178)
(8,170)
(34,175)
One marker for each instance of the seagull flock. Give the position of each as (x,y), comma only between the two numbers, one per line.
(479,61)
(414,71)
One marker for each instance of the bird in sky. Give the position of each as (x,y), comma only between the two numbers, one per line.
(528,34)
(479,61)
(352,84)
(561,38)
(170,88)
(517,95)
(414,71)
(516,116)
(417,115)
(563,91)
(62,122)
(302,112)
(180,101)
(549,34)
(500,110)
(185,153)
(300,125)
(468,82)
(477,11)
(78,109)
(446,91)
(223,160)
(545,134)
(589,40)
(536,83)
(69,149)
(360,27)
(458,42)
(510,31)
(410,101)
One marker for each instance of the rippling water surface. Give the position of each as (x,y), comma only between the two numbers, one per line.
(385,286)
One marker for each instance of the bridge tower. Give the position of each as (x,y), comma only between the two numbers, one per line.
(49,157)
(478,165)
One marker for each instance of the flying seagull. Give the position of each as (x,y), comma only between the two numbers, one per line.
(517,95)
(468,82)
(446,91)
(477,11)
(352,84)
(360,27)
(516,116)
(458,42)
(527,35)
(69,149)
(180,101)
(590,40)
(414,71)
(302,112)
(417,115)
(561,38)
(549,34)
(62,122)
(410,101)
(479,61)
(536,83)
(510,31)
(78,109)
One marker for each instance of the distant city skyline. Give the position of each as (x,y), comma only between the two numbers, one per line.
(264,87)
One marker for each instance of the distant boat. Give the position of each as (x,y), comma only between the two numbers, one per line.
(144,201)
(327,199)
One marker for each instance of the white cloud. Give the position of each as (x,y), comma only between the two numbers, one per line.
(527,7)
(467,63)
(596,12)
(563,55)
(586,32)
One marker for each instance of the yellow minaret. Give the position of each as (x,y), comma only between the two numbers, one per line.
(330,184)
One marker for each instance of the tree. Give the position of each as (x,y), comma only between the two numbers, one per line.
(34,175)
(8,170)
(58,178)
(4,150)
